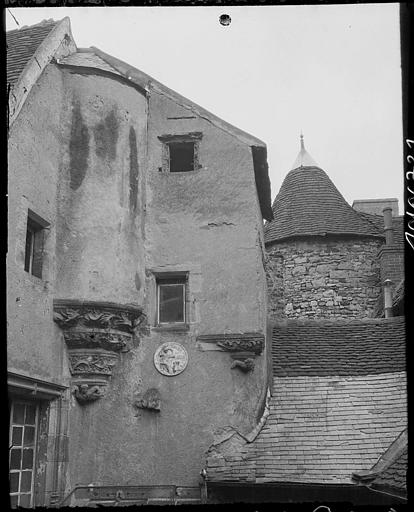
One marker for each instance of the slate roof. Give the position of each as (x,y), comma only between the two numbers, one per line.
(333,411)
(309,204)
(352,348)
(389,473)
(22,44)
(397,224)
(394,476)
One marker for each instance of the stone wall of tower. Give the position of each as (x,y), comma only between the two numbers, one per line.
(323,278)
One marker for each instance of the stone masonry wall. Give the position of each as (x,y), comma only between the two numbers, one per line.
(336,278)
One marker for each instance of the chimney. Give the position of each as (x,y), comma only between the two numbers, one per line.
(388,298)
(389,235)
(375,206)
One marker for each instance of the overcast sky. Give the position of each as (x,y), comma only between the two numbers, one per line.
(332,71)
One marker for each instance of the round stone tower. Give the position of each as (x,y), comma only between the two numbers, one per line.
(322,255)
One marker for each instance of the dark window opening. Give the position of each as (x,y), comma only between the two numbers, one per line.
(181,156)
(33,257)
(171,300)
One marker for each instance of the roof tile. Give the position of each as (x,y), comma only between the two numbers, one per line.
(22,45)
(309,204)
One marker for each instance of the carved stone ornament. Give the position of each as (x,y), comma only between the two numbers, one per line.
(91,362)
(151,400)
(97,315)
(245,365)
(94,333)
(246,342)
(85,392)
(116,342)
(171,358)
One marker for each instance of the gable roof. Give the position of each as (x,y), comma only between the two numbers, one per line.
(93,57)
(22,45)
(328,418)
(29,51)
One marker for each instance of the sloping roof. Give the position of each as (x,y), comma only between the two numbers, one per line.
(146,82)
(389,473)
(394,477)
(30,50)
(347,348)
(22,44)
(87,58)
(398,230)
(309,204)
(397,224)
(330,414)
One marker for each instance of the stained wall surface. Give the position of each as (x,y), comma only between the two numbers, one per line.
(114,243)
(337,278)
(35,146)
(100,191)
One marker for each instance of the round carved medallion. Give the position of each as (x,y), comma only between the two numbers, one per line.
(170,358)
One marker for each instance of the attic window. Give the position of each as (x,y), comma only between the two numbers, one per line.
(181,156)
(180,152)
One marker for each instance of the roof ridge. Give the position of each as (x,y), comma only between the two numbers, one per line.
(152,82)
(42,23)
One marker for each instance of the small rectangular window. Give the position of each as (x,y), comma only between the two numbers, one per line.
(180,152)
(181,156)
(171,300)
(35,231)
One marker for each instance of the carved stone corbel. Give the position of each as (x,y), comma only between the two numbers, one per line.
(245,365)
(95,333)
(150,400)
(243,347)
(246,342)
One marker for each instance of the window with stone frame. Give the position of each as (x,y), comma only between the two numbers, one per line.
(180,153)
(172,292)
(35,237)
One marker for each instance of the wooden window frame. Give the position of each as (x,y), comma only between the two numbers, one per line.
(36,405)
(179,278)
(34,246)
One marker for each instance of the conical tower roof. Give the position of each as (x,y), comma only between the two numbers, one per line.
(309,204)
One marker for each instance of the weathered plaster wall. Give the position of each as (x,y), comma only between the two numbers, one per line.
(337,278)
(35,143)
(99,241)
(206,223)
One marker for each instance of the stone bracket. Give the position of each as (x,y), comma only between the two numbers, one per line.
(95,333)
(253,343)
(243,347)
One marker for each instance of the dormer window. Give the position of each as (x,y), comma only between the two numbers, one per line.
(180,152)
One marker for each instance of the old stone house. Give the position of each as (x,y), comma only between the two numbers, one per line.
(335,426)
(133,339)
(145,366)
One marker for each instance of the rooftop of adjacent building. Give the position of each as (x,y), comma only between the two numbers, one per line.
(309,204)
(339,401)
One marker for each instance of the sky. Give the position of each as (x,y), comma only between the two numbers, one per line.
(330,71)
